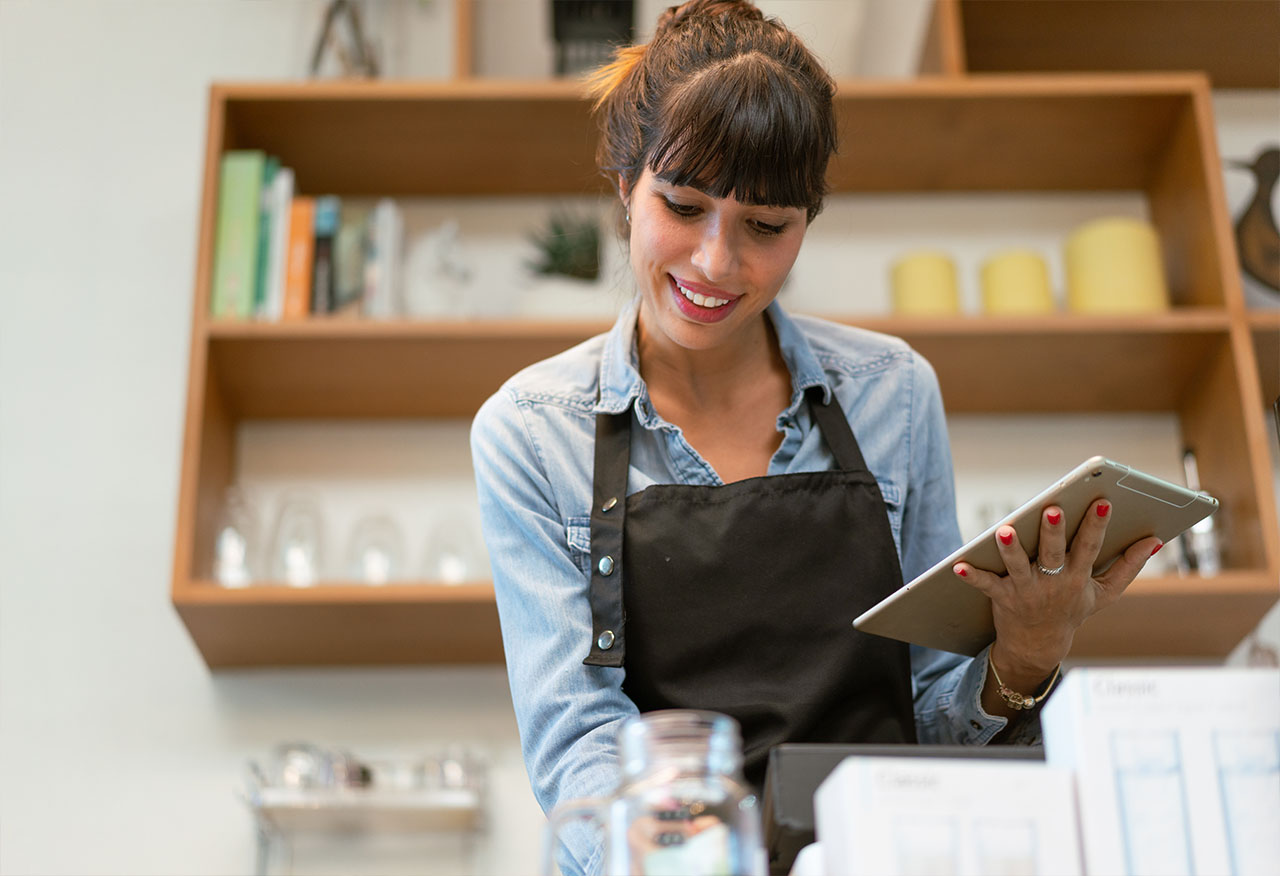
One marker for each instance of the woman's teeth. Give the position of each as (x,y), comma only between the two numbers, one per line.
(701,300)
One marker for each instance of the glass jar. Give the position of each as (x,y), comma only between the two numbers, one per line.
(681,805)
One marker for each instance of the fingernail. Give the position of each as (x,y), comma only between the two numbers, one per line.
(1005,537)
(1104,508)
(1155,550)
(1054,517)
(960,570)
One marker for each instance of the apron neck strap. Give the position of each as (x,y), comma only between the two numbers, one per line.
(835,430)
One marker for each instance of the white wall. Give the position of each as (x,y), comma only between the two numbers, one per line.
(119,751)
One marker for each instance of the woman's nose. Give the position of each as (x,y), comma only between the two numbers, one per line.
(716,254)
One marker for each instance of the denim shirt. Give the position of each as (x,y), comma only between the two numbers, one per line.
(533,448)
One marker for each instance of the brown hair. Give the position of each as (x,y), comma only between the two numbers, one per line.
(722,99)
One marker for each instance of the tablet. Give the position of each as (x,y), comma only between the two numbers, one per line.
(940,610)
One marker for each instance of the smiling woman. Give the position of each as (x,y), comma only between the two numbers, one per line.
(690,510)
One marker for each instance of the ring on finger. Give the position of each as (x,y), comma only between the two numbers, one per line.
(1049,572)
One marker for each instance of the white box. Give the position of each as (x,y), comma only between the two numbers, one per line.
(902,816)
(1177,770)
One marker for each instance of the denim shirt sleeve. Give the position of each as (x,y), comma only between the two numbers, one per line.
(568,714)
(947,687)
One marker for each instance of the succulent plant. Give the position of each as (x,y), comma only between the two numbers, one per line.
(569,245)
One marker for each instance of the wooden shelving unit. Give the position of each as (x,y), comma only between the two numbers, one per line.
(1265,326)
(1234,41)
(1143,132)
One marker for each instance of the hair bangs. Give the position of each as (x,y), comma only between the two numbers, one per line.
(745,128)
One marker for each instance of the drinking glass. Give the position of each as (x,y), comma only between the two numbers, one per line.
(453,554)
(375,554)
(236,545)
(298,541)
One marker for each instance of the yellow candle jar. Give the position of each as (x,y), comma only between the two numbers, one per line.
(1114,266)
(1016,282)
(924,284)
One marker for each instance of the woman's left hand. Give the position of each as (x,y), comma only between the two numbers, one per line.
(1041,602)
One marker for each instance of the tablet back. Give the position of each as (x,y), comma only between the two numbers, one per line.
(940,610)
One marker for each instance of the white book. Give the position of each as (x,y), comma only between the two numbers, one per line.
(383,295)
(1177,769)
(902,816)
(281,198)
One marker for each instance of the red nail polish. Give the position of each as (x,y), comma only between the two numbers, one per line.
(1156,549)
(1005,537)
(1104,509)
(961,571)
(1054,517)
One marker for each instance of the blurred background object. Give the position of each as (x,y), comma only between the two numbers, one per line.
(586,32)
(924,284)
(1016,282)
(1114,265)
(1257,238)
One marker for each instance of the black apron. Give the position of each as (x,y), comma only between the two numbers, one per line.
(740,598)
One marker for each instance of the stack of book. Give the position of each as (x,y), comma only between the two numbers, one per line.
(280,255)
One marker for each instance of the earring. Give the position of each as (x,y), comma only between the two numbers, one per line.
(628,216)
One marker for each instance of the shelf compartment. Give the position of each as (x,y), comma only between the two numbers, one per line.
(327,369)
(337,624)
(407,139)
(1233,40)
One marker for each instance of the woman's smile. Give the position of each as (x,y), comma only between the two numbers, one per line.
(700,302)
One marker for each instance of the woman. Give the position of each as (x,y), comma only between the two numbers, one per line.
(689,510)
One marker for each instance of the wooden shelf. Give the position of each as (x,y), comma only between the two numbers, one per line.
(334,624)
(337,624)
(357,369)
(1147,133)
(1265,328)
(1180,617)
(1234,41)
(442,369)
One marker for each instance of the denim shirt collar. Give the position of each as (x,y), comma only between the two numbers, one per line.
(622,386)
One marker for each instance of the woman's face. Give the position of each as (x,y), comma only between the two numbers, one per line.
(706,267)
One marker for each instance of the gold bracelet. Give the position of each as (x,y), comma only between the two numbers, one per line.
(1018,701)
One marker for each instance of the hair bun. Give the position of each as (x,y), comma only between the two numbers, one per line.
(675,16)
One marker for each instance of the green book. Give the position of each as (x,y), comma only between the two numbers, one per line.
(236,245)
(263,259)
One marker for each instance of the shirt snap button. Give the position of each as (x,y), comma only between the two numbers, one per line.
(606,566)
(606,640)
(975,725)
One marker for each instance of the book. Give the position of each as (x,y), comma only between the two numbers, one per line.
(281,198)
(269,170)
(236,242)
(327,212)
(348,258)
(382,298)
(297,279)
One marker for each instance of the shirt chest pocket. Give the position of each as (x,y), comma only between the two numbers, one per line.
(578,534)
(892,495)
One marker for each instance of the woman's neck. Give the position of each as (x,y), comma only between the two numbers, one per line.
(713,379)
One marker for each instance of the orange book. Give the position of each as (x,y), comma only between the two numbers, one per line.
(297,278)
